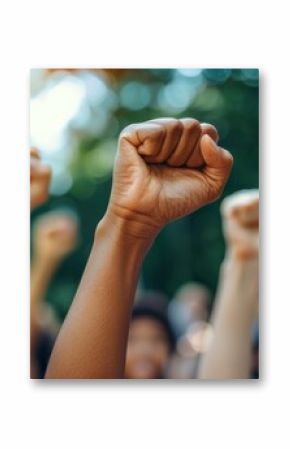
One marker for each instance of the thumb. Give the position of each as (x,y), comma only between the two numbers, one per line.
(215,157)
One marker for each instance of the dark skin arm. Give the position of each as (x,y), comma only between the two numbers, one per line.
(157,178)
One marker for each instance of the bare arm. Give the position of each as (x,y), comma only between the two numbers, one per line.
(230,352)
(236,308)
(92,341)
(152,185)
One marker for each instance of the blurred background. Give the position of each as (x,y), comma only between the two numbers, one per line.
(76,116)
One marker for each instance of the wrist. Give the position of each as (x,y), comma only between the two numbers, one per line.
(244,268)
(46,260)
(44,265)
(128,229)
(241,254)
(240,284)
(121,250)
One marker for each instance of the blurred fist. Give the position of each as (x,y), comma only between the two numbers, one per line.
(241,223)
(55,236)
(165,169)
(40,175)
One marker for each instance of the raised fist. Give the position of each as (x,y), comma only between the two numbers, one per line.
(55,236)
(165,169)
(241,223)
(40,175)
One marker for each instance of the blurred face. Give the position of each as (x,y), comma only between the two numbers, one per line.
(148,349)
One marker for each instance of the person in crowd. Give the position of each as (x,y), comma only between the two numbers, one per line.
(164,169)
(190,347)
(151,338)
(236,306)
(188,312)
(55,236)
(189,305)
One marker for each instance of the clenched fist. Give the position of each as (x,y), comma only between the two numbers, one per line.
(165,169)
(40,175)
(241,223)
(55,236)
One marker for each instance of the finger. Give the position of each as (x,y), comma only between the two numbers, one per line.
(187,142)
(173,129)
(218,166)
(243,206)
(146,137)
(248,216)
(215,158)
(196,160)
(210,130)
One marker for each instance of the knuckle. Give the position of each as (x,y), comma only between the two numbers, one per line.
(211,130)
(191,124)
(175,126)
(159,132)
(128,130)
(211,127)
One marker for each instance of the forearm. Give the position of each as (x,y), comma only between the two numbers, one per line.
(93,339)
(236,309)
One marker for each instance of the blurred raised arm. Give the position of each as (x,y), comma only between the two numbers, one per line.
(54,237)
(236,307)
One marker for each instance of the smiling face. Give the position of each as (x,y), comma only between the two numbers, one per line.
(148,349)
